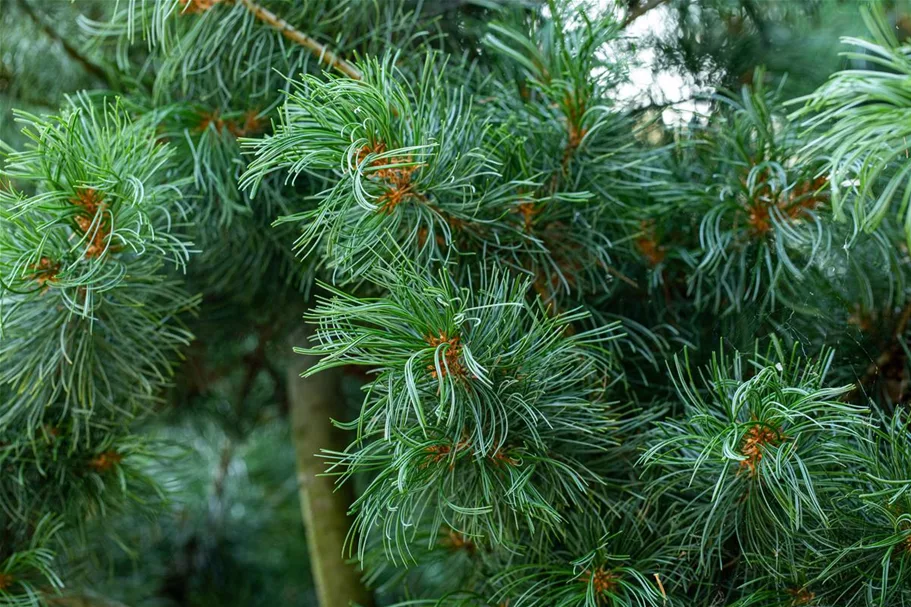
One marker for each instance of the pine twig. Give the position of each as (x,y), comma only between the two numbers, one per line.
(641,10)
(900,327)
(71,51)
(618,274)
(80,600)
(875,367)
(255,362)
(753,12)
(216,499)
(321,51)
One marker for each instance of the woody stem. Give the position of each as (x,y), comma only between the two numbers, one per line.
(322,52)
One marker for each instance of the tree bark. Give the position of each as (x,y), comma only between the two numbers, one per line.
(312,402)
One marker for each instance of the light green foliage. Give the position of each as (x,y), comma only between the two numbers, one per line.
(751,449)
(88,244)
(482,404)
(413,161)
(760,227)
(32,566)
(83,261)
(866,111)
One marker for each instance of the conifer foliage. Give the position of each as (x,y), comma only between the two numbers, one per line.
(576,352)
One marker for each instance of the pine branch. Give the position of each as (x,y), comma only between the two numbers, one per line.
(641,10)
(255,362)
(753,11)
(894,349)
(82,600)
(314,402)
(618,274)
(74,54)
(323,53)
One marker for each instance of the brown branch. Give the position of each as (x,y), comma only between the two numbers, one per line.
(641,10)
(618,274)
(324,506)
(74,54)
(80,600)
(216,500)
(255,362)
(873,370)
(753,12)
(323,53)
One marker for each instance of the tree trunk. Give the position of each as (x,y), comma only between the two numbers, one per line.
(313,401)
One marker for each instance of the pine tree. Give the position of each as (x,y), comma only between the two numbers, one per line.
(417,274)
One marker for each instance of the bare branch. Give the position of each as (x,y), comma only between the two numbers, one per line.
(74,54)
(314,402)
(893,350)
(321,51)
(641,10)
